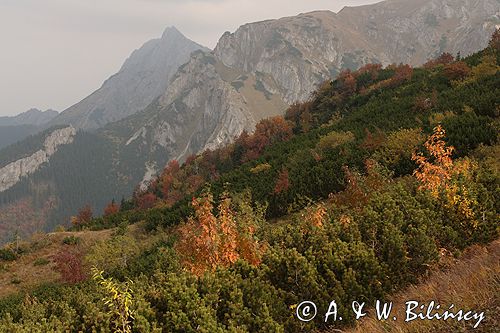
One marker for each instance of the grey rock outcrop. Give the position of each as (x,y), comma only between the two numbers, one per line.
(207,104)
(15,171)
(301,51)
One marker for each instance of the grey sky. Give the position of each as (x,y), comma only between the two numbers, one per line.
(55,52)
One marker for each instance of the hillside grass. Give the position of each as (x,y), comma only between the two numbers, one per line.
(35,267)
(471,282)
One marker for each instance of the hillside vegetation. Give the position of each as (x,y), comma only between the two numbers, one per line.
(471,283)
(352,195)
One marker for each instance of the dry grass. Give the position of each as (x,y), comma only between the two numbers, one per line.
(471,283)
(24,273)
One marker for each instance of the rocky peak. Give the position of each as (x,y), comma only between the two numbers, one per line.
(171,33)
(143,77)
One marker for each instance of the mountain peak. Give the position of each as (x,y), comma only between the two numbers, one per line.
(170,32)
(144,76)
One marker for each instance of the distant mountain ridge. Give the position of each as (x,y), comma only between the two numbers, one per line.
(142,78)
(17,128)
(33,117)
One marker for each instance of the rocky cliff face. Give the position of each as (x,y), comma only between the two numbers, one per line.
(142,78)
(23,167)
(301,51)
(207,104)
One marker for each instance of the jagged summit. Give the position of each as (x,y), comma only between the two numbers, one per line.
(143,77)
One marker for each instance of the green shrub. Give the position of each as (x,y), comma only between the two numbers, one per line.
(41,262)
(7,255)
(71,240)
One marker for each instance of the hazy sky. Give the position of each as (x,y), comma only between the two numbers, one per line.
(53,53)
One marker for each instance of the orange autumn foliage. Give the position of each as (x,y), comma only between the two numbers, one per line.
(316,216)
(207,241)
(434,172)
(84,216)
(111,208)
(372,69)
(402,73)
(456,71)
(283,182)
(443,59)
(145,200)
(267,131)
(495,40)
(346,83)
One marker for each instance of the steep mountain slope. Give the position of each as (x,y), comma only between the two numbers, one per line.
(301,51)
(14,171)
(207,104)
(142,78)
(12,134)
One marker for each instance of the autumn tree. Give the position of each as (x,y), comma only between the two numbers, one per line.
(353,195)
(145,200)
(119,301)
(316,216)
(435,170)
(373,141)
(69,263)
(283,182)
(402,73)
(372,69)
(84,216)
(168,176)
(495,40)
(346,83)
(456,71)
(267,132)
(425,102)
(443,59)
(208,241)
(111,208)
(300,115)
